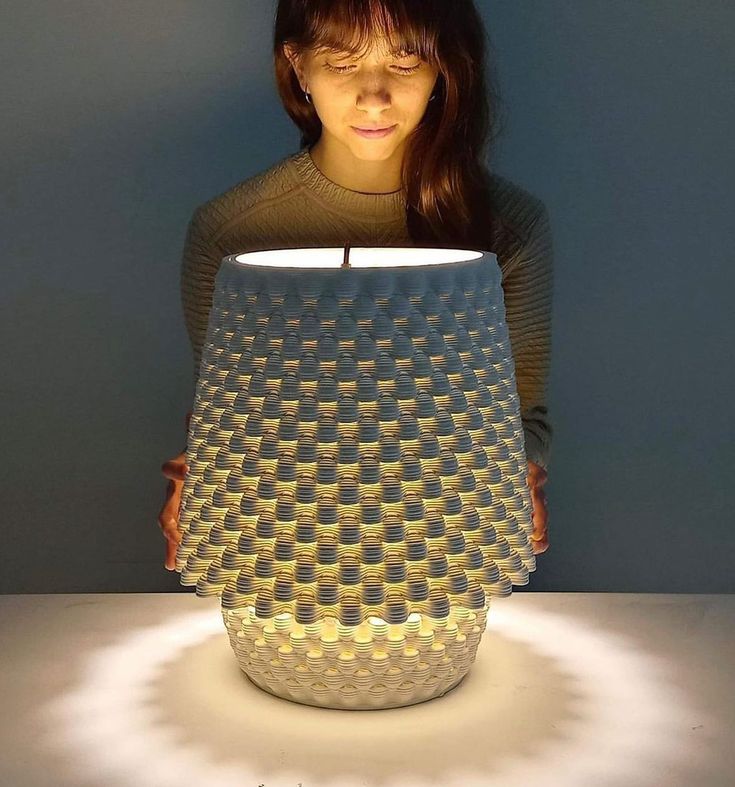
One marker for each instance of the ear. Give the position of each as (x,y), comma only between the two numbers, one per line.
(295,61)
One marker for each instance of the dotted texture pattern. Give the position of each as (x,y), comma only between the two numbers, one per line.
(373,665)
(357,478)
(355,447)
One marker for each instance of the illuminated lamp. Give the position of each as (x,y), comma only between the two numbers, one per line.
(357,489)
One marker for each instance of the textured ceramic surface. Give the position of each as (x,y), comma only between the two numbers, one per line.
(357,488)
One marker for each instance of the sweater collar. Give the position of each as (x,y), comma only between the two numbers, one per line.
(386,207)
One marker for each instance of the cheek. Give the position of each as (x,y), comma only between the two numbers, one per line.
(420,86)
(418,97)
(336,92)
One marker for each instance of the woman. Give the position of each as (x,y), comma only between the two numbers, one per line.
(394,111)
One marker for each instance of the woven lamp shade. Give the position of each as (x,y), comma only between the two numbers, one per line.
(357,487)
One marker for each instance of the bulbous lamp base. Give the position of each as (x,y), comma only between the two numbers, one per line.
(369,666)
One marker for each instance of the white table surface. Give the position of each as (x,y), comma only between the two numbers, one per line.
(568,689)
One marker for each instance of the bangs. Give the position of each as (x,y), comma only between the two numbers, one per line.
(351,26)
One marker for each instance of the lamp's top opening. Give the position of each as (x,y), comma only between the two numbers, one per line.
(360,257)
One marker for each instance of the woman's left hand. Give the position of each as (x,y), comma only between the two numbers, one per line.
(536,478)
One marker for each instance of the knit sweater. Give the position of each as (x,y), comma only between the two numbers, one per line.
(293,204)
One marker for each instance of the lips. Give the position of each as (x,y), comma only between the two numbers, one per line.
(374,133)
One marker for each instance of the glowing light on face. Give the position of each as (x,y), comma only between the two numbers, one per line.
(372,89)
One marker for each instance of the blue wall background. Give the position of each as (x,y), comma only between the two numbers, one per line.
(120,119)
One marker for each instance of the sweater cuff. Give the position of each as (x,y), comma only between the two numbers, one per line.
(536,451)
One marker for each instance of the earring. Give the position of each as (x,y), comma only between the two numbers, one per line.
(432,97)
(307,96)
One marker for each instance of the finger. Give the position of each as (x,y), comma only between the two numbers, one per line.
(172,544)
(537,478)
(168,519)
(170,509)
(170,562)
(170,529)
(169,524)
(176,471)
(538,504)
(540,512)
(540,535)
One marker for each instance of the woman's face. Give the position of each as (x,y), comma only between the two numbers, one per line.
(370,91)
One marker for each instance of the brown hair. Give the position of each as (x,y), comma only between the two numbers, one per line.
(444,177)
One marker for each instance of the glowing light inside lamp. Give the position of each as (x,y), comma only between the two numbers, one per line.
(360,257)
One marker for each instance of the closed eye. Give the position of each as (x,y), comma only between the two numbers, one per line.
(344,69)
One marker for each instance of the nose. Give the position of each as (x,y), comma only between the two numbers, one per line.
(373,92)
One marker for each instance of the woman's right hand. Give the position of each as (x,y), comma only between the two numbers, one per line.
(168,520)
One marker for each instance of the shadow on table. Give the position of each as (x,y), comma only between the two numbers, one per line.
(549,700)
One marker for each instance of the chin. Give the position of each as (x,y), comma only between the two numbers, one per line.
(373,155)
(372,149)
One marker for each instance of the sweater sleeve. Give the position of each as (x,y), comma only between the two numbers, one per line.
(201,259)
(528,289)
